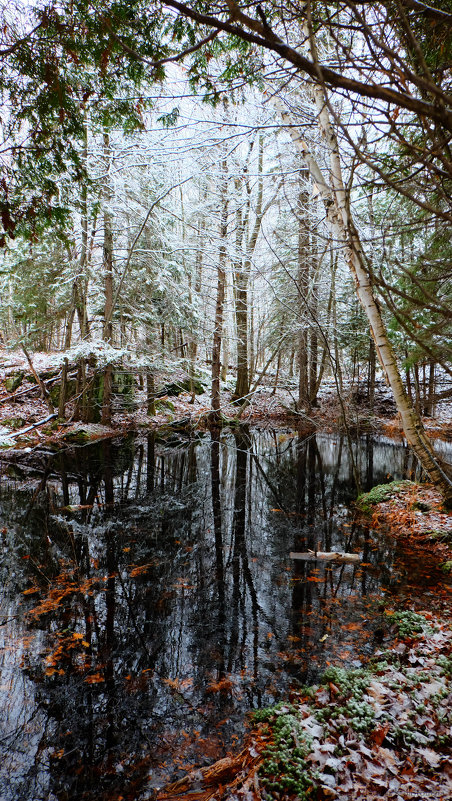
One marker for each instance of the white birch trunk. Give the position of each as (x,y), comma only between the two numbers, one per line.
(341,223)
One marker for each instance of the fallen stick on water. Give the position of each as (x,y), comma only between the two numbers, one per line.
(325,556)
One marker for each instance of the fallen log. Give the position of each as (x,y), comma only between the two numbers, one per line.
(325,556)
(34,388)
(30,428)
(444,395)
(229,771)
(14,395)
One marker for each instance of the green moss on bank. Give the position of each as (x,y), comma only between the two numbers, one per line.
(380,494)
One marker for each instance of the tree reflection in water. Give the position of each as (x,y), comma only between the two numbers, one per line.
(165,601)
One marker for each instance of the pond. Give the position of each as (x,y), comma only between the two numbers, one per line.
(149,600)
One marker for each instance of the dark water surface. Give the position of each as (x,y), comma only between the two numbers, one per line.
(148,601)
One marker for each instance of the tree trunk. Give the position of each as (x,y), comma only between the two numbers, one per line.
(241,295)
(150,390)
(80,282)
(221,280)
(254,344)
(372,371)
(225,362)
(63,391)
(417,389)
(193,339)
(242,386)
(276,381)
(313,333)
(108,284)
(242,277)
(303,289)
(429,405)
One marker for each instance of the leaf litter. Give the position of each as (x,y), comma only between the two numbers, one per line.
(383,731)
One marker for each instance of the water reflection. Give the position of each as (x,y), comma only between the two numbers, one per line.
(148,599)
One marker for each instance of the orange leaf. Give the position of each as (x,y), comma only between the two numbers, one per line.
(173,683)
(138,571)
(380,733)
(95,678)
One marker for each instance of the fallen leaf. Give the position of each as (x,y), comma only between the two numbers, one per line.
(430,757)
(95,678)
(379,733)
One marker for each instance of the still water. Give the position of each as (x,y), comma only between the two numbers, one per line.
(148,600)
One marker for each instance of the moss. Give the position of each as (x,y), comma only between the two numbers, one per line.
(381,493)
(54,392)
(124,390)
(77,437)
(285,769)
(410,624)
(445,663)
(175,389)
(349,682)
(447,567)
(439,534)
(14,381)
(350,687)
(50,429)
(14,423)
(164,404)
(344,700)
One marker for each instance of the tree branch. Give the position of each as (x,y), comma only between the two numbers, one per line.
(266,38)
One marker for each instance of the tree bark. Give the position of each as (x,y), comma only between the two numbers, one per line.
(63,390)
(242,274)
(150,391)
(108,288)
(80,283)
(303,290)
(219,308)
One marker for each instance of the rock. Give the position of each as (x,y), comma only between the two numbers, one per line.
(176,388)
(14,381)
(54,391)
(124,391)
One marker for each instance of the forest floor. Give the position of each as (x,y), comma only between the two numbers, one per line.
(381,731)
(414,515)
(25,421)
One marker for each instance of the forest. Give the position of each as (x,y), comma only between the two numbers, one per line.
(225,400)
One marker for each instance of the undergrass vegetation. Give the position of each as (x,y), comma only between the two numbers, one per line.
(358,724)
